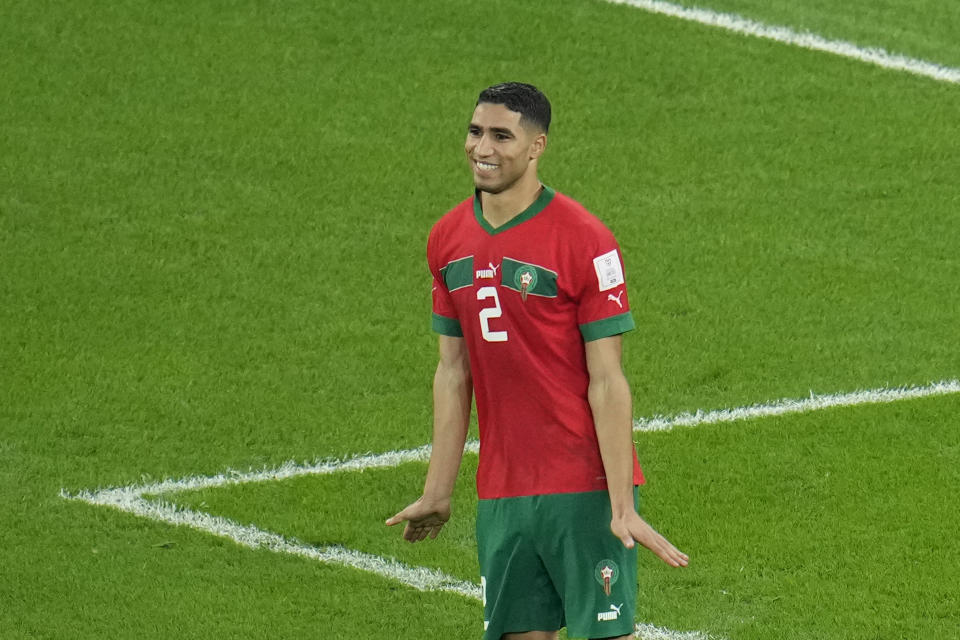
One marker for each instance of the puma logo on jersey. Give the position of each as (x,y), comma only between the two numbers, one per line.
(613,614)
(488,273)
(615,298)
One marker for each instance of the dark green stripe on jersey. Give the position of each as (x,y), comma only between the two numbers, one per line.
(458,273)
(541,281)
(447,326)
(614,325)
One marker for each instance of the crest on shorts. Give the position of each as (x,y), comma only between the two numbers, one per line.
(607,573)
(525,278)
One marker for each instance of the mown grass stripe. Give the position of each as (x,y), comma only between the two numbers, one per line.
(738,24)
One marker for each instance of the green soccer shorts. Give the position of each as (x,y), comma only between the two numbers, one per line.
(550,561)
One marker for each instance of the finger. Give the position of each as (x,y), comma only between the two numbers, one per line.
(665,552)
(409,533)
(671,560)
(392,520)
(414,534)
(672,556)
(678,561)
(681,556)
(401,516)
(676,554)
(662,548)
(666,556)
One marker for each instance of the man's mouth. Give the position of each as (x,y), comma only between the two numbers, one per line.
(484,166)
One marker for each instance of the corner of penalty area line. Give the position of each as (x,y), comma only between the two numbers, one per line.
(133,498)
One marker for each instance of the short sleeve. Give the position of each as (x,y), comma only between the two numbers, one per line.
(444,317)
(445,320)
(604,308)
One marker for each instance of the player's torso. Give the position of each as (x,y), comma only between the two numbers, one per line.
(525,297)
(512,288)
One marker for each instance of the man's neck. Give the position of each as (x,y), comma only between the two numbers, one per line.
(501,208)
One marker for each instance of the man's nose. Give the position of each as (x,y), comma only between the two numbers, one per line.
(484,146)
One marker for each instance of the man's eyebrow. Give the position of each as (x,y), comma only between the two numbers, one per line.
(474,125)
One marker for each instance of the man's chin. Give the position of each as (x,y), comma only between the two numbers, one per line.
(486,187)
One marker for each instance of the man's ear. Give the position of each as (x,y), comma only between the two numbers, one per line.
(538,146)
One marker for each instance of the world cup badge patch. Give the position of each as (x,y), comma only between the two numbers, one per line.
(607,573)
(526,279)
(609,270)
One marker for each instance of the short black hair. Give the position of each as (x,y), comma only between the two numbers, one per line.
(525,99)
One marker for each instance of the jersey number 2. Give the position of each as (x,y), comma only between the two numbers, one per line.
(490,312)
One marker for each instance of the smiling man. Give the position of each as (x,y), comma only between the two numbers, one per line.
(529,301)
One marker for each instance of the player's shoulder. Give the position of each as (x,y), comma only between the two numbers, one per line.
(454,216)
(452,222)
(577,220)
(448,232)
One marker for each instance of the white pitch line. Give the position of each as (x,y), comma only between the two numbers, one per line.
(786,35)
(287,470)
(252,537)
(650,632)
(783,407)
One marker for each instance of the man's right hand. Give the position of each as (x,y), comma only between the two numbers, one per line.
(423,519)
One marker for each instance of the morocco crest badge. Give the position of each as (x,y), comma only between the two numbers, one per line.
(525,278)
(607,573)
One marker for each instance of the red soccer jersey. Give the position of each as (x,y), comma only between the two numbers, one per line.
(526,296)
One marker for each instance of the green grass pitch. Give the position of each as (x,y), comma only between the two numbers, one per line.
(212,228)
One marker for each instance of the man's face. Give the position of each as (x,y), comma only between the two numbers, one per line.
(499,149)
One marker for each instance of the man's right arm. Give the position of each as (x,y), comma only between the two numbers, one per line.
(452,394)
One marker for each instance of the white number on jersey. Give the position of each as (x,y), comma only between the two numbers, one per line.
(490,312)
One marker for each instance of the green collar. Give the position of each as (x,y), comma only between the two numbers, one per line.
(538,205)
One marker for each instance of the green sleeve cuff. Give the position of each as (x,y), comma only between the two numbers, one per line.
(614,325)
(447,326)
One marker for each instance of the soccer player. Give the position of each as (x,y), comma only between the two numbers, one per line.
(530,301)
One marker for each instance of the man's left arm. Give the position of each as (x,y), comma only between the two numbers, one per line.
(610,402)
